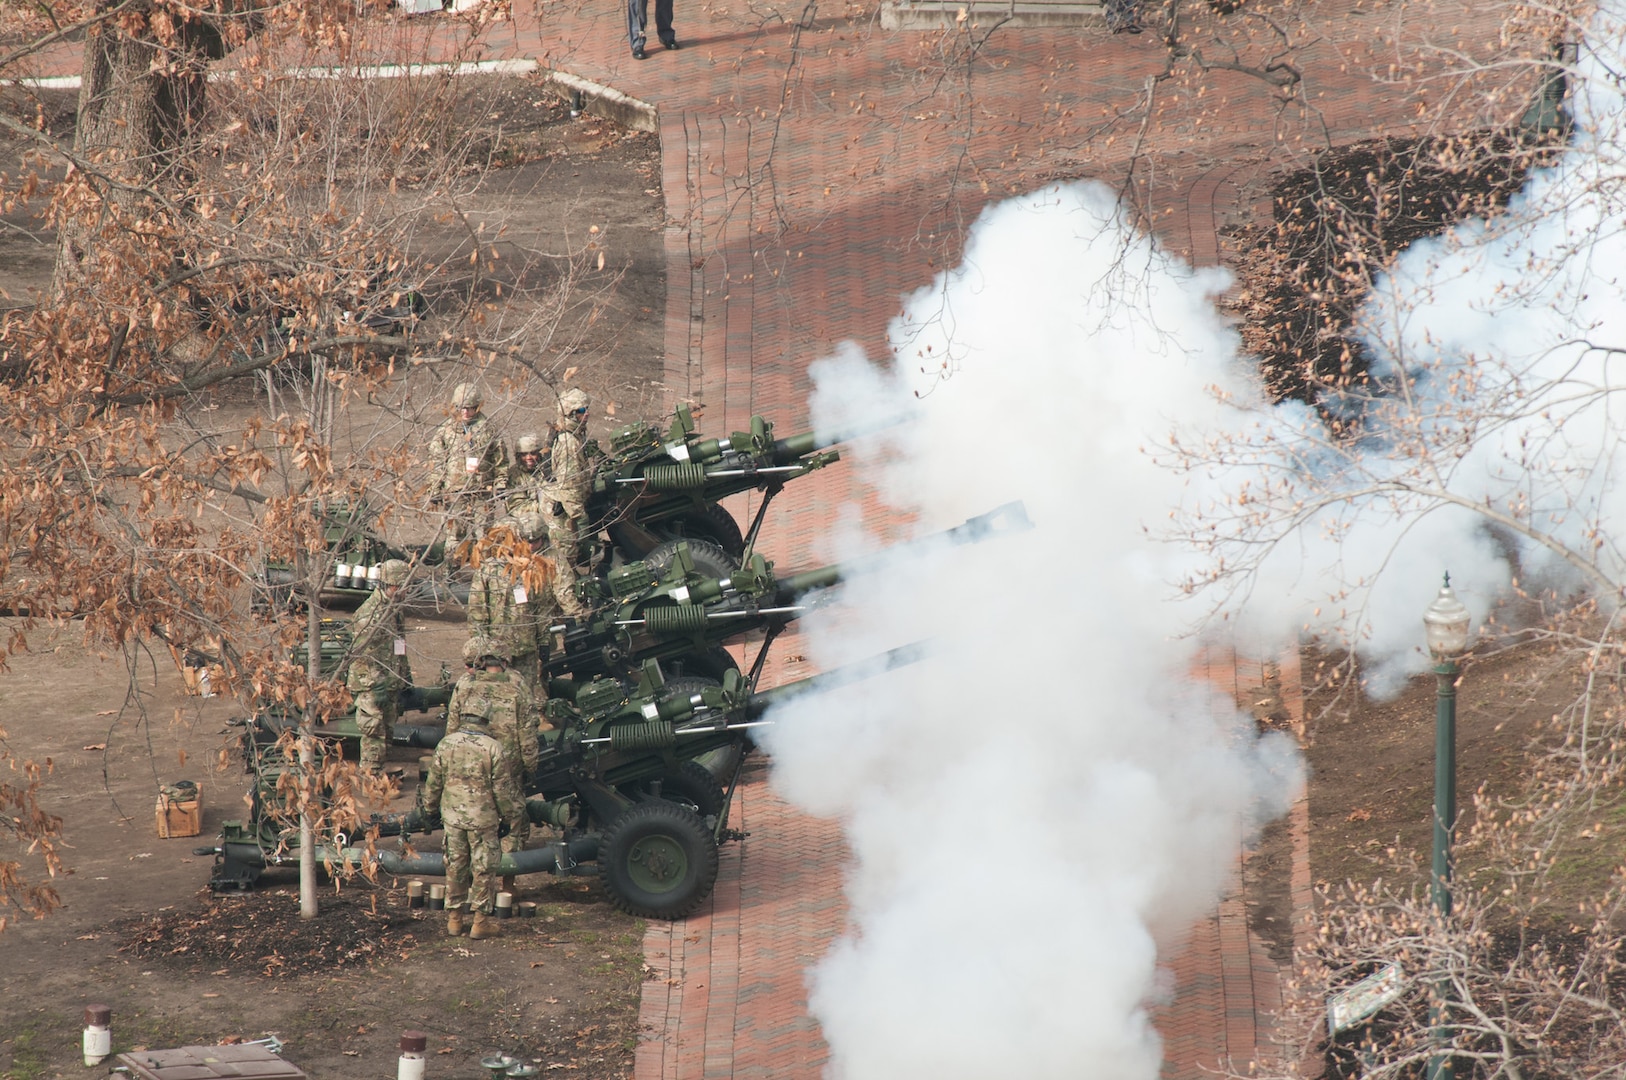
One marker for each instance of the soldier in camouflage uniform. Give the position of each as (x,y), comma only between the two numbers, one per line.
(504,611)
(472,792)
(515,719)
(378,663)
(530,461)
(572,486)
(468,463)
(534,499)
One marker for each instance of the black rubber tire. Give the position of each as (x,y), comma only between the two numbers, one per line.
(709,666)
(690,786)
(709,559)
(709,522)
(657,860)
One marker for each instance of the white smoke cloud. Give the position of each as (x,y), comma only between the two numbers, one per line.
(1510,332)
(1057,789)
(1056,786)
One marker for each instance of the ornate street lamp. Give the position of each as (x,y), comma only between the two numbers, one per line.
(1446,624)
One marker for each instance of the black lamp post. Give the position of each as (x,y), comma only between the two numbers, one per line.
(1446,623)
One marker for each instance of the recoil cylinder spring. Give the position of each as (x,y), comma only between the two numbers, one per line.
(653,735)
(675,619)
(683,476)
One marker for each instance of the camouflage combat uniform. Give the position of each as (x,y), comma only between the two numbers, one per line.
(468,469)
(377,671)
(473,793)
(505,613)
(515,724)
(565,513)
(532,493)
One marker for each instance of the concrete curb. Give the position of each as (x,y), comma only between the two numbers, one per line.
(597,99)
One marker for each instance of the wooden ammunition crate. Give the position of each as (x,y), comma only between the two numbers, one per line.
(177,819)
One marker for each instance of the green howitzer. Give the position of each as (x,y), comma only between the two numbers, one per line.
(641,782)
(649,489)
(268,724)
(633,779)
(357,553)
(682,617)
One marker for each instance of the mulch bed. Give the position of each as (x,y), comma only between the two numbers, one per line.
(264,933)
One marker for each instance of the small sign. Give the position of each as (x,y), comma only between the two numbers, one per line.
(1365,998)
(471,464)
(400,646)
(520,595)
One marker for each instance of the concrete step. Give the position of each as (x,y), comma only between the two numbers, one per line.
(945,14)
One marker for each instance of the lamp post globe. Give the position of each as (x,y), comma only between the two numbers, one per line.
(1446,625)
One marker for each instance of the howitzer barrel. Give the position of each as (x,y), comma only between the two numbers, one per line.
(794,446)
(1009,518)
(892,659)
(423,698)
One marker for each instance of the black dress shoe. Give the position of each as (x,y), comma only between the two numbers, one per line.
(672,44)
(638,53)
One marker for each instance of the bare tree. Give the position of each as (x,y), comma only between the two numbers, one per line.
(243,204)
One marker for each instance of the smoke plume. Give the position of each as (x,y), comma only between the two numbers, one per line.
(1056,786)
(1057,790)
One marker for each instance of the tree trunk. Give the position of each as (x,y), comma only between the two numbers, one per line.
(141,95)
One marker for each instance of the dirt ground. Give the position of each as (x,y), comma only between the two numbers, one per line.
(138,929)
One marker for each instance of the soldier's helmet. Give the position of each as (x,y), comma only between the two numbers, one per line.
(394,572)
(529,524)
(466,396)
(573,401)
(477,711)
(528,444)
(473,649)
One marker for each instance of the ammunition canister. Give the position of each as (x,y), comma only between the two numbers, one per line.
(415,896)
(505,905)
(437,898)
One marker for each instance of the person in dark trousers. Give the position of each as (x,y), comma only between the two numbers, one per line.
(638,23)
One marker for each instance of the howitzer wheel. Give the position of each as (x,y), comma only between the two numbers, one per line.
(707,668)
(709,559)
(657,860)
(691,786)
(708,522)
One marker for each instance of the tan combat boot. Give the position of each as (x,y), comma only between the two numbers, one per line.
(454,921)
(484,926)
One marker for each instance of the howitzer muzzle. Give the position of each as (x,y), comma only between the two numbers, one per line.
(903,655)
